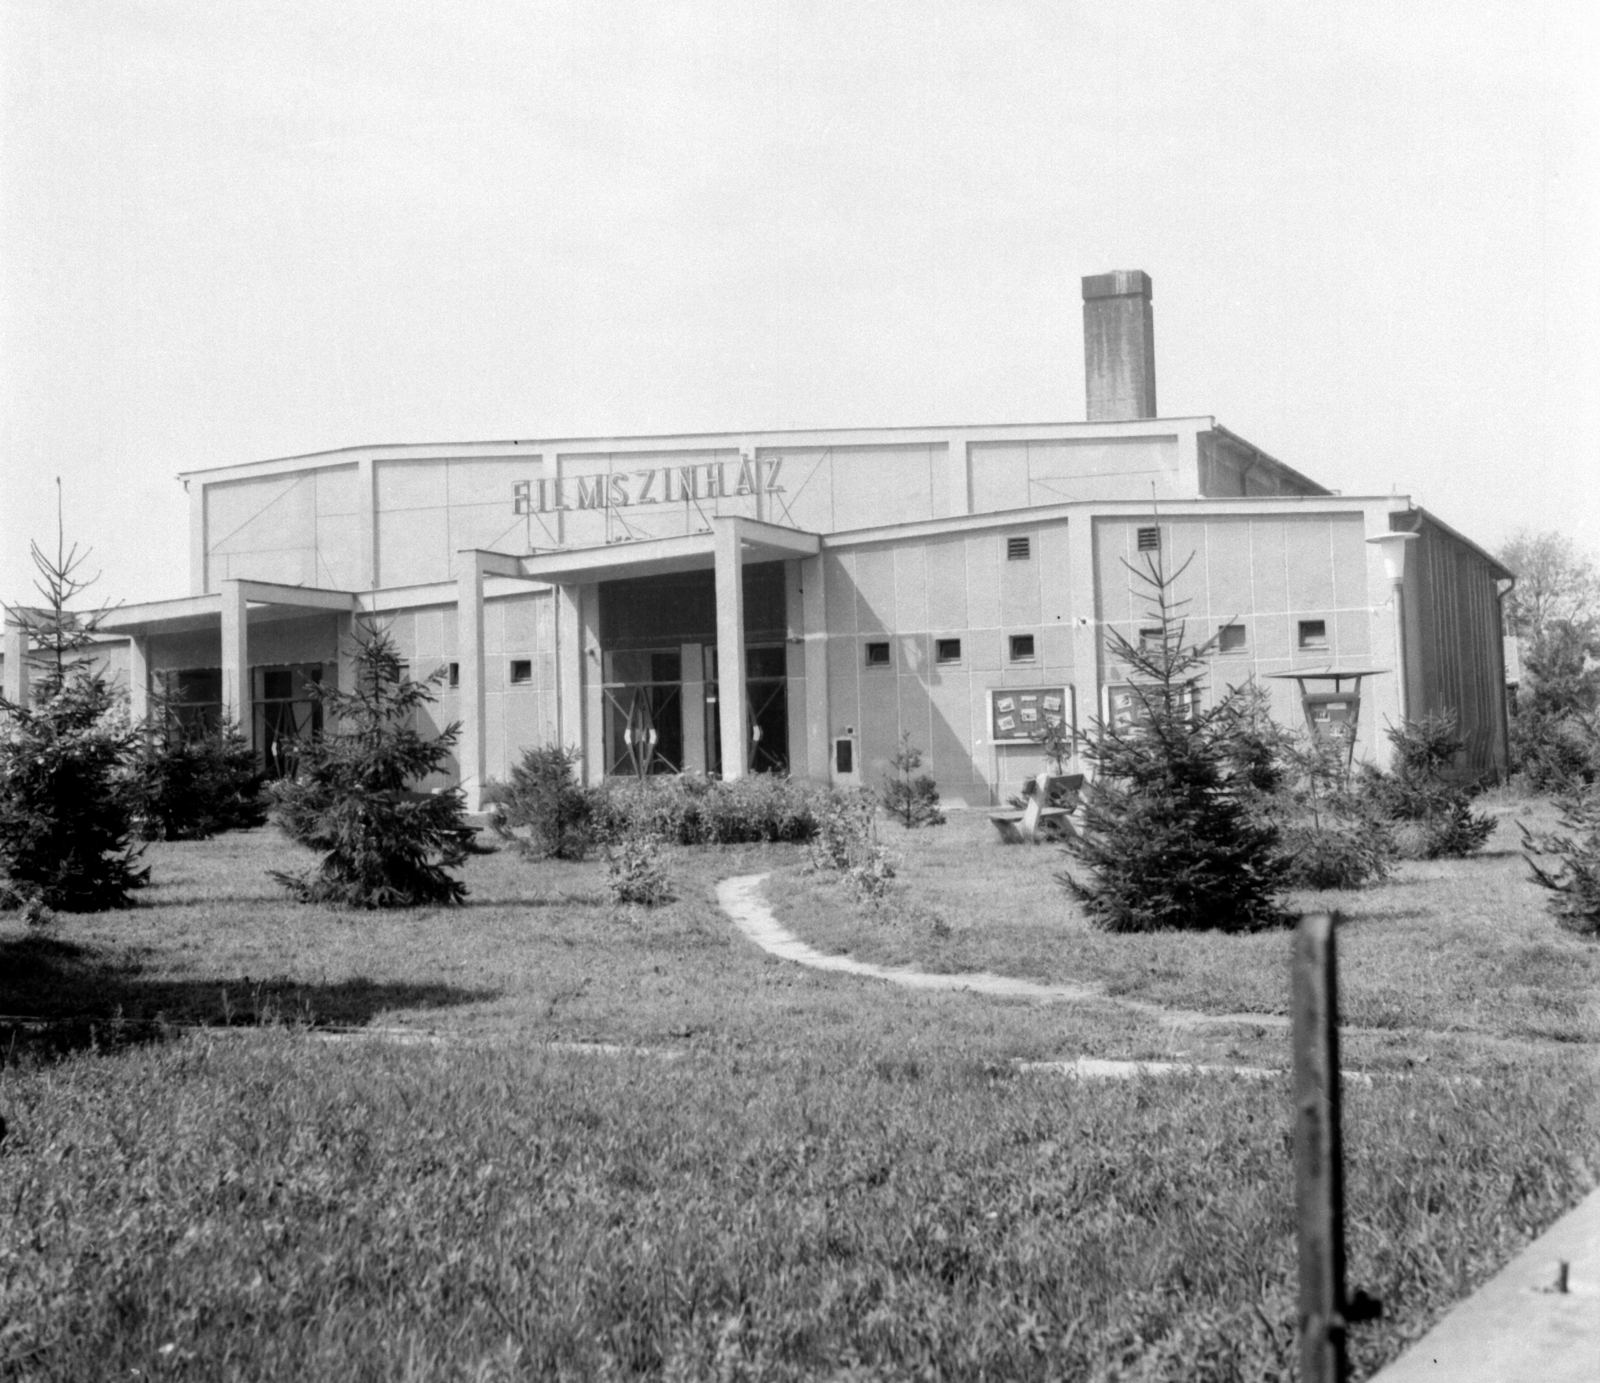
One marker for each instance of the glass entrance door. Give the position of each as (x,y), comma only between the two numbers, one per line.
(643,712)
(766,689)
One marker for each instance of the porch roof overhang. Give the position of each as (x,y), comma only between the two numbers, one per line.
(759,542)
(266,601)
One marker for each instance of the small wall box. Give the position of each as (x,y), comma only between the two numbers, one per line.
(1019,715)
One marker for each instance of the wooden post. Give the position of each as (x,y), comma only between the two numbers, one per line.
(1318,1156)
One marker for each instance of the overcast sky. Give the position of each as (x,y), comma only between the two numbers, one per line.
(236,231)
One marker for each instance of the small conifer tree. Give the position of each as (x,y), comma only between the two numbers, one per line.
(910,797)
(1567,860)
(66,798)
(383,845)
(1170,839)
(1435,814)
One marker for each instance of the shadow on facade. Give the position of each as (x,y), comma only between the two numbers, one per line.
(58,997)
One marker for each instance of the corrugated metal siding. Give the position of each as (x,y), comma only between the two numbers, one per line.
(1457,660)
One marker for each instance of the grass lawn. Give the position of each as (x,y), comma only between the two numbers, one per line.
(1458,946)
(801,1175)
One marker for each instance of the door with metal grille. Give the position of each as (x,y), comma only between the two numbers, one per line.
(643,712)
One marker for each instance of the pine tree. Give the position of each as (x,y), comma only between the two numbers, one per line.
(384,845)
(1170,839)
(910,797)
(66,796)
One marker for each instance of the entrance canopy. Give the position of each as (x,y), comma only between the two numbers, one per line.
(758,542)
(232,612)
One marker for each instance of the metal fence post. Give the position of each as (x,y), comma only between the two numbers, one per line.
(1318,1155)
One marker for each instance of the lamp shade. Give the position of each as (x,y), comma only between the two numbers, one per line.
(1393,547)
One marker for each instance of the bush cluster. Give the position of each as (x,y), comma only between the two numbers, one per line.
(1571,861)
(544,809)
(691,810)
(191,789)
(637,873)
(846,843)
(1433,815)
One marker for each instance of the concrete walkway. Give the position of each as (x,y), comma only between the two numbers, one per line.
(742,899)
(1519,1327)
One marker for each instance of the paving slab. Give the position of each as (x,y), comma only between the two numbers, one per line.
(1519,1327)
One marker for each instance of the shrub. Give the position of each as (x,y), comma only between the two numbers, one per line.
(691,810)
(846,843)
(1575,877)
(1437,821)
(545,798)
(1171,836)
(637,872)
(191,789)
(1330,836)
(910,797)
(383,845)
(66,797)
(1553,736)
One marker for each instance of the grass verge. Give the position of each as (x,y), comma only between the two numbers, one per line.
(835,1178)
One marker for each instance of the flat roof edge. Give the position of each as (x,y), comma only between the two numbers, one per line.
(532,443)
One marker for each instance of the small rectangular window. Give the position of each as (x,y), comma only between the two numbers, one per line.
(1150,640)
(1022,648)
(521,671)
(877,655)
(455,674)
(947,650)
(1149,539)
(1018,549)
(844,756)
(1313,633)
(1230,638)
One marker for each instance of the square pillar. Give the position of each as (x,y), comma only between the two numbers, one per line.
(592,669)
(470,748)
(692,700)
(568,617)
(237,704)
(139,679)
(15,688)
(733,713)
(814,629)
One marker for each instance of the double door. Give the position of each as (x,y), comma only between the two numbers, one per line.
(663,712)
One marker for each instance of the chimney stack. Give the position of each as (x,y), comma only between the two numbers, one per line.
(1119,346)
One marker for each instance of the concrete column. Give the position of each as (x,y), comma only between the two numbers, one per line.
(693,700)
(814,630)
(236,689)
(139,679)
(15,688)
(730,648)
(594,696)
(470,748)
(569,667)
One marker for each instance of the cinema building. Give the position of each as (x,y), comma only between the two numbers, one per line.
(731,603)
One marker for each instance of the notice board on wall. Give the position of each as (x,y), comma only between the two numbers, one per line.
(1019,715)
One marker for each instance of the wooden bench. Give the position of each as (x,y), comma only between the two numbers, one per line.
(1047,813)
